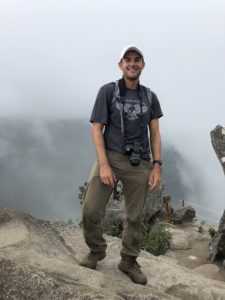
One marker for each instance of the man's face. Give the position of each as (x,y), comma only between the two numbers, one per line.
(132,65)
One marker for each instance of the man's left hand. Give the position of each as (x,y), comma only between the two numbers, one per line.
(154,177)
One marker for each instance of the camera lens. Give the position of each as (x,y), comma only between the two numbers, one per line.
(135,159)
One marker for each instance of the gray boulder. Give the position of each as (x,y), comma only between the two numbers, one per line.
(114,217)
(153,208)
(184,214)
(222,224)
(218,142)
(217,245)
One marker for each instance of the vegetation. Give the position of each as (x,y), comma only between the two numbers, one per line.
(212,231)
(157,241)
(116,230)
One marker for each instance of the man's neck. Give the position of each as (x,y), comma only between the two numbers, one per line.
(131,84)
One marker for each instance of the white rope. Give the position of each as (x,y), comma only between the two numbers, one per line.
(219,214)
(217,221)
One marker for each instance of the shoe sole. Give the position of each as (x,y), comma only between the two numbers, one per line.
(91,267)
(88,267)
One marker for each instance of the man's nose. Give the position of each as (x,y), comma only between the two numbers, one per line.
(132,63)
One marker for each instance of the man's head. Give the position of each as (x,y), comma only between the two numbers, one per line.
(131,63)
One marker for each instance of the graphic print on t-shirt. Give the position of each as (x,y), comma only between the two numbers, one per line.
(132,109)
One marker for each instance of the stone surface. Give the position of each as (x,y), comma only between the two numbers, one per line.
(218,143)
(184,214)
(222,223)
(114,214)
(208,270)
(153,208)
(217,245)
(195,255)
(40,261)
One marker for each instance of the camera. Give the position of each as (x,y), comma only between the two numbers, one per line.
(135,152)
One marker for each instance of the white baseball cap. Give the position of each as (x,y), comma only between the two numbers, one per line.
(131,48)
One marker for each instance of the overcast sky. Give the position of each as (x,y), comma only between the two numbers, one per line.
(54,56)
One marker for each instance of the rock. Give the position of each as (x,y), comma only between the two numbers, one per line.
(223,264)
(222,223)
(208,270)
(153,208)
(166,225)
(218,143)
(115,216)
(180,239)
(40,261)
(200,229)
(184,214)
(217,245)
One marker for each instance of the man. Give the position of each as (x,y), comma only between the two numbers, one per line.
(122,114)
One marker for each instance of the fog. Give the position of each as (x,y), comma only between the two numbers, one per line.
(44,162)
(55,55)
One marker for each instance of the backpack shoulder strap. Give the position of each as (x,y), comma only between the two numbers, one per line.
(116,93)
(148,94)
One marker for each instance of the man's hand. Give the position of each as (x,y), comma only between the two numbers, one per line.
(107,175)
(154,177)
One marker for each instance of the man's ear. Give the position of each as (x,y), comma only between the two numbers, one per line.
(120,65)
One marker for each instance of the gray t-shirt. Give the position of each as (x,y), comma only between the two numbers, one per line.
(108,112)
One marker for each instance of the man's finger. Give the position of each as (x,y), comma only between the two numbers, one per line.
(152,187)
(114,178)
(111,181)
(104,180)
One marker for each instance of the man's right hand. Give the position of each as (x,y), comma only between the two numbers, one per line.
(107,175)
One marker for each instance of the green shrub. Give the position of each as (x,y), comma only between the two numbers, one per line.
(156,242)
(212,231)
(115,230)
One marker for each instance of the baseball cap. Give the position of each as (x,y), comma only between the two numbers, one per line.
(131,48)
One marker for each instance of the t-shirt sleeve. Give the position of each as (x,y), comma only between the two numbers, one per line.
(100,110)
(156,111)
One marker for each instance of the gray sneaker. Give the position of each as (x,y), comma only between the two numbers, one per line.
(90,260)
(129,265)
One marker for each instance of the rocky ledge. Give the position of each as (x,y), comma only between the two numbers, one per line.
(39,260)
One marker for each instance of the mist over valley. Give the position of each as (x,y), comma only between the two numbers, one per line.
(44,161)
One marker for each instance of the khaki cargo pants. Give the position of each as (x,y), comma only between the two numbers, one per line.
(135,185)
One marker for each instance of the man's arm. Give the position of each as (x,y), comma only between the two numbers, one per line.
(155,141)
(106,173)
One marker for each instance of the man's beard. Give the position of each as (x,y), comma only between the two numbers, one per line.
(133,78)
